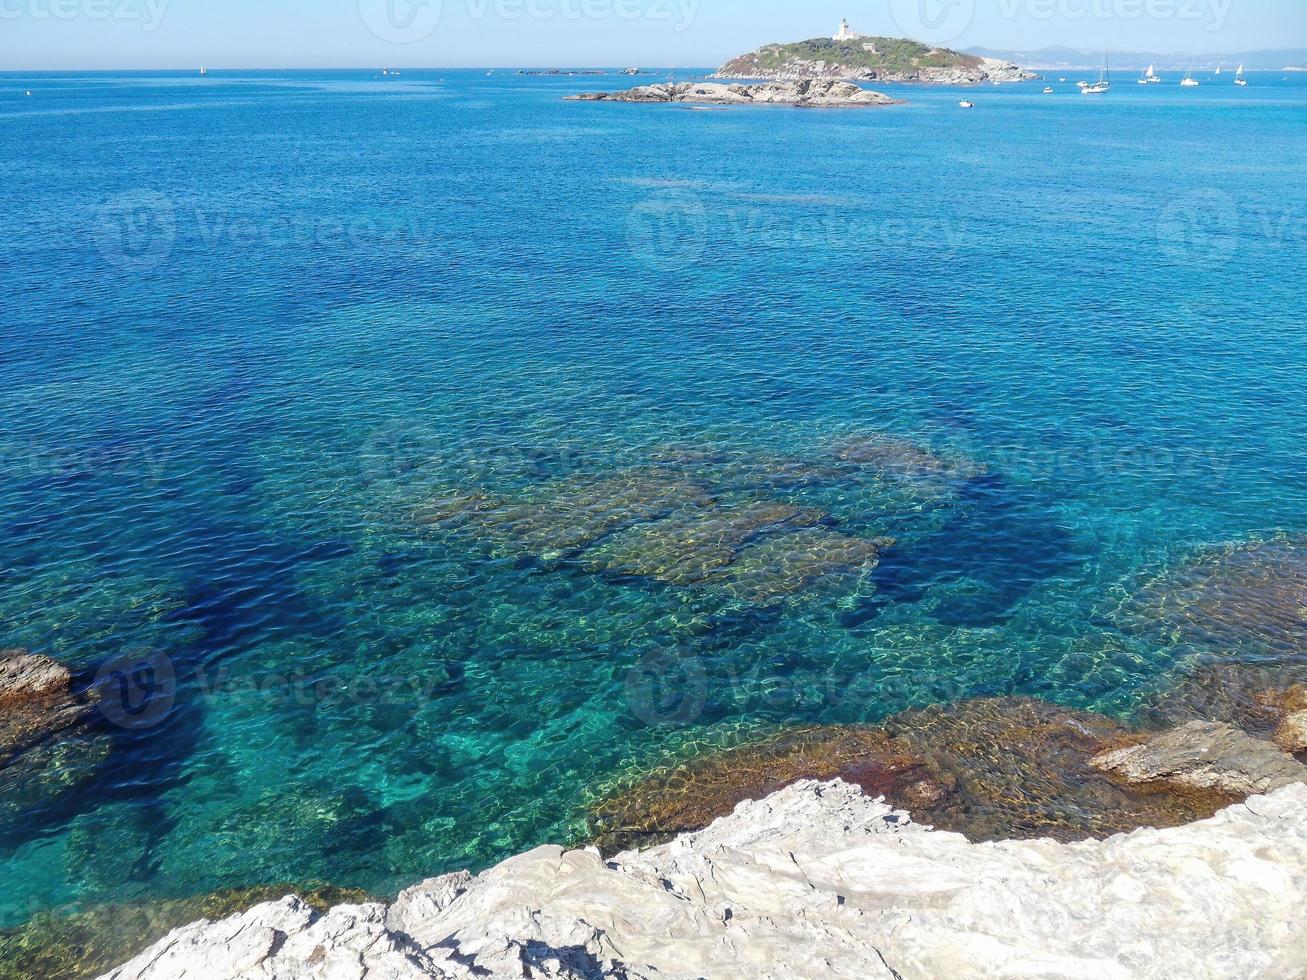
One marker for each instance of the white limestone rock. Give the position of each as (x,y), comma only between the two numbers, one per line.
(814,881)
(1205,755)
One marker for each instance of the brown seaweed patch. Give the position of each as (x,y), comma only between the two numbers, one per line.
(1019,768)
(691,795)
(992,769)
(85,944)
(787,564)
(1244,598)
(687,547)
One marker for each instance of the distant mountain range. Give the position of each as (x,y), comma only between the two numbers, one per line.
(1069,58)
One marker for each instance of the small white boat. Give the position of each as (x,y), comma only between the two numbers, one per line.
(966,104)
(1218,69)
(28,93)
(1062,79)
(1189,81)
(1048,89)
(1151,77)
(1239,79)
(1104,82)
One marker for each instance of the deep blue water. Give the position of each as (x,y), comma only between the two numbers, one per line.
(252,323)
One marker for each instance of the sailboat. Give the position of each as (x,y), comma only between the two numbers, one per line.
(204,71)
(1218,69)
(1151,77)
(1238,77)
(1189,81)
(1104,82)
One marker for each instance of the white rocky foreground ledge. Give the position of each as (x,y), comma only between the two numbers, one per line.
(816,881)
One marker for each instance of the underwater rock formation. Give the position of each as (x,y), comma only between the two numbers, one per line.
(691,545)
(1206,756)
(1248,599)
(992,769)
(670,523)
(815,880)
(690,796)
(36,701)
(897,458)
(47,743)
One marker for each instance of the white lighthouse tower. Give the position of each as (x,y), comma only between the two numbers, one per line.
(847,33)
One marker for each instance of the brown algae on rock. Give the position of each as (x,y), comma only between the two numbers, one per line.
(992,769)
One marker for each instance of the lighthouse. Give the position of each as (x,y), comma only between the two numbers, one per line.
(846,33)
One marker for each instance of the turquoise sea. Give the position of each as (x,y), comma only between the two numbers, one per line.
(253,324)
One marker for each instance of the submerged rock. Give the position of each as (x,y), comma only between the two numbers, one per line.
(1205,756)
(1020,768)
(816,879)
(37,701)
(567,516)
(802,93)
(693,794)
(47,743)
(689,546)
(894,457)
(787,564)
(1250,696)
(1245,599)
(56,946)
(691,519)
(992,769)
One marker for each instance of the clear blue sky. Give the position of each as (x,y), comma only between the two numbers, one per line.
(54,34)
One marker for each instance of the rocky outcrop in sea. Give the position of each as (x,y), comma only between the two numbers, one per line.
(804,93)
(816,879)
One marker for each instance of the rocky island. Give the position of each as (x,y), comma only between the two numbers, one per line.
(850,56)
(803,94)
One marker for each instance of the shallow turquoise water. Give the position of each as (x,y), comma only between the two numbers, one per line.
(254,322)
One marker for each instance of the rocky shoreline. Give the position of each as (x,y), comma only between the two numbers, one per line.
(803,93)
(817,873)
